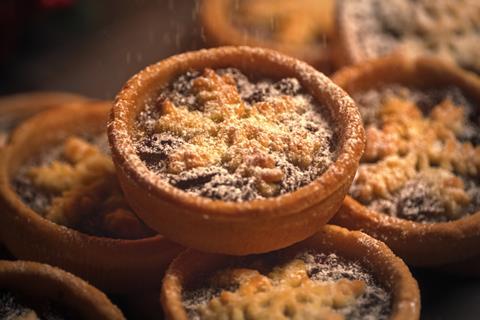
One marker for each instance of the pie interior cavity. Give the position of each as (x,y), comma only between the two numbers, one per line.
(220,135)
(421,161)
(310,285)
(74,184)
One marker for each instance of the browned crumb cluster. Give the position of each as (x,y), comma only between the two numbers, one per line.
(76,186)
(421,160)
(309,286)
(218,135)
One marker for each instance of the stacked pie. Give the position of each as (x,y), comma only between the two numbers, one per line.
(240,152)
(246,154)
(210,181)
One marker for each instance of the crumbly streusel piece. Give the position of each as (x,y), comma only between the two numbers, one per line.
(88,197)
(287,292)
(407,151)
(236,135)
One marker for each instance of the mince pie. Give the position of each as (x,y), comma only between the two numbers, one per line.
(336,274)
(301,28)
(234,150)
(31,291)
(418,184)
(64,205)
(445,28)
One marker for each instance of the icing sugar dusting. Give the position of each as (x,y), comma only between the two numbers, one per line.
(373,303)
(222,136)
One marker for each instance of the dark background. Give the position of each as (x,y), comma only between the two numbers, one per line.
(92,47)
(89,47)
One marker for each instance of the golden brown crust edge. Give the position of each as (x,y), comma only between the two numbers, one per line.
(390,270)
(17,107)
(343,52)
(40,280)
(419,244)
(228,227)
(219,31)
(113,264)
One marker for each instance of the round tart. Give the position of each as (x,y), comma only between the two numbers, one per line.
(32,290)
(234,150)
(335,274)
(63,205)
(372,28)
(15,108)
(300,28)
(417,187)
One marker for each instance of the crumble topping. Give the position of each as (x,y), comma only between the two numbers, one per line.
(218,135)
(297,22)
(450,29)
(309,286)
(421,161)
(76,186)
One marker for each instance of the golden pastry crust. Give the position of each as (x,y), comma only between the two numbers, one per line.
(423,244)
(117,265)
(222,226)
(35,280)
(290,280)
(15,108)
(295,31)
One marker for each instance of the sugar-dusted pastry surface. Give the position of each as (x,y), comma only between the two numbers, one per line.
(450,29)
(15,306)
(310,286)
(299,22)
(220,135)
(422,159)
(75,185)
